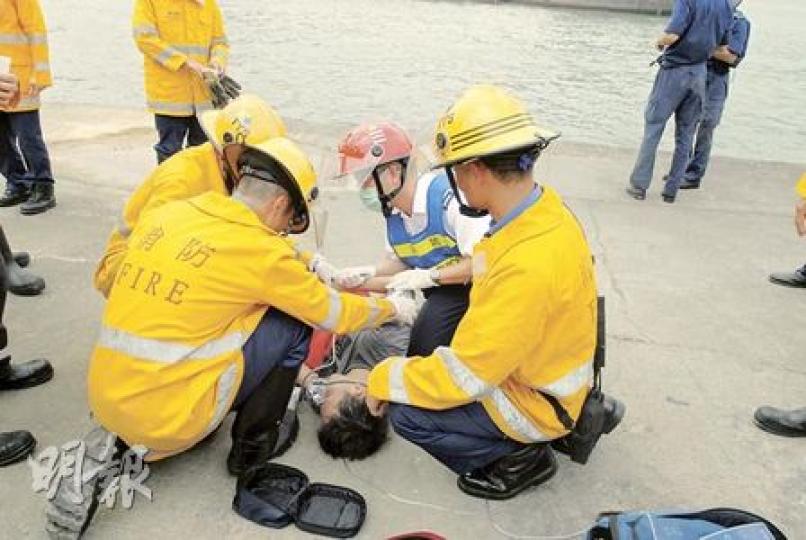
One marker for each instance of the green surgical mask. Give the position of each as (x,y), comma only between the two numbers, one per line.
(369,196)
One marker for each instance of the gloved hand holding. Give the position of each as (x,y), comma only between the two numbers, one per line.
(325,271)
(412,280)
(406,307)
(354,276)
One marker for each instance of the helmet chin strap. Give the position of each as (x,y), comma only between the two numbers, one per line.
(386,198)
(466,210)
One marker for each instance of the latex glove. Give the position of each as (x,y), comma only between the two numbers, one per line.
(325,271)
(354,276)
(412,280)
(800,217)
(406,307)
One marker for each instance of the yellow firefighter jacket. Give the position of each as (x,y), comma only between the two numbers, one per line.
(169,33)
(184,175)
(802,186)
(24,39)
(531,325)
(197,278)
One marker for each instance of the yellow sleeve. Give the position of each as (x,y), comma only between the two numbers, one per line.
(146,36)
(33,24)
(485,350)
(219,46)
(801,188)
(292,288)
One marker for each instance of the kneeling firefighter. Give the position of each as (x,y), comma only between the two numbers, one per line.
(193,171)
(488,405)
(211,311)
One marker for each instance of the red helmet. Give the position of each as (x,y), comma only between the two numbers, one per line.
(370,145)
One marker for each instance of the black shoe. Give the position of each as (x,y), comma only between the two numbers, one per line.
(781,422)
(639,194)
(15,446)
(22,258)
(789,279)
(668,198)
(530,466)
(22,282)
(14,196)
(41,199)
(689,184)
(26,375)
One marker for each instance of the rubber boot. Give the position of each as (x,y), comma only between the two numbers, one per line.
(257,423)
(20,281)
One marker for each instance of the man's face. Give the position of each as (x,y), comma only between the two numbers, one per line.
(467,179)
(340,387)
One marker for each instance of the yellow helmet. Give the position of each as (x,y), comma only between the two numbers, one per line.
(290,169)
(246,119)
(486,120)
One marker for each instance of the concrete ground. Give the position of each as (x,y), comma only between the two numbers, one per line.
(697,338)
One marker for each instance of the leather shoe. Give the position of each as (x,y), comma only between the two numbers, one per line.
(15,446)
(25,375)
(22,282)
(668,198)
(530,466)
(790,279)
(782,422)
(636,193)
(14,196)
(41,199)
(689,184)
(22,258)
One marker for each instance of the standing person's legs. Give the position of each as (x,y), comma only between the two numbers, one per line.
(687,114)
(172,131)
(32,146)
(436,323)
(11,165)
(196,135)
(717,93)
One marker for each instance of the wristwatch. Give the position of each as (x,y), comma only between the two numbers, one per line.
(434,275)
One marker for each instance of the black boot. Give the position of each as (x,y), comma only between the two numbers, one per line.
(14,196)
(257,422)
(41,199)
(15,446)
(782,422)
(26,375)
(20,282)
(530,466)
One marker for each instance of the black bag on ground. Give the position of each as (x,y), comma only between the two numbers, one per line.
(275,495)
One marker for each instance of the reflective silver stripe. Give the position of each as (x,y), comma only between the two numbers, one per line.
(13,39)
(219,41)
(224,395)
(571,383)
(192,49)
(29,102)
(462,377)
(397,386)
(145,30)
(42,66)
(184,108)
(166,352)
(38,39)
(374,311)
(166,55)
(333,310)
(514,419)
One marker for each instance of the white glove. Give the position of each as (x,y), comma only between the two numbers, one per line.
(406,307)
(412,280)
(354,276)
(325,271)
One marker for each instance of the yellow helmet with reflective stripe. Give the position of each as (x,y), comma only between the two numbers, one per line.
(485,120)
(245,120)
(290,169)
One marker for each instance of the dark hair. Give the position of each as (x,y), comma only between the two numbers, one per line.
(354,433)
(513,164)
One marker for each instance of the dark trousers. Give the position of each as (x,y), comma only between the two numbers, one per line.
(438,318)
(463,438)
(173,130)
(278,341)
(29,162)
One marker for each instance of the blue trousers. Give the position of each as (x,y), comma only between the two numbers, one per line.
(173,130)
(31,163)
(463,438)
(278,340)
(677,91)
(716,94)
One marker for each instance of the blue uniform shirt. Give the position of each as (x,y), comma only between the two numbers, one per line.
(702,25)
(738,38)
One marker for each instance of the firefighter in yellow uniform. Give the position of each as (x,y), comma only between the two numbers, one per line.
(24,46)
(478,405)
(247,119)
(182,41)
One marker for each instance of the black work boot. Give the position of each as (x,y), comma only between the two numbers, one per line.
(14,195)
(795,279)
(25,375)
(41,199)
(22,282)
(530,466)
(782,422)
(256,428)
(15,446)
(22,258)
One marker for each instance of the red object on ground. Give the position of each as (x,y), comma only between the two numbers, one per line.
(321,343)
(419,535)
